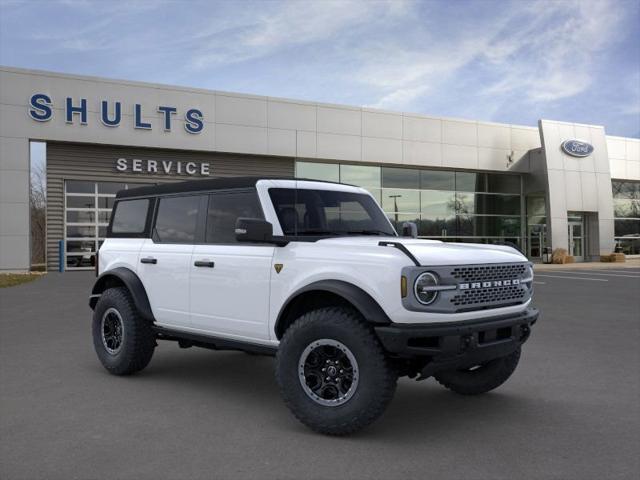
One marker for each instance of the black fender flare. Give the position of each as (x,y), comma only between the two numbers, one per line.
(361,300)
(133,284)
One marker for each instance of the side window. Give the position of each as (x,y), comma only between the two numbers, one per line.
(176,221)
(224,209)
(130,216)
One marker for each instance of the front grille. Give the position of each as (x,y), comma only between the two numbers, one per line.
(479,273)
(466,288)
(495,295)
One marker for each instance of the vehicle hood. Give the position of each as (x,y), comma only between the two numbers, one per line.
(435,252)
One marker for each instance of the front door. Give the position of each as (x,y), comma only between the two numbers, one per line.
(536,240)
(230,281)
(576,239)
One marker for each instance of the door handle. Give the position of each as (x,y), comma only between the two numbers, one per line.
(149,260)
(204,263)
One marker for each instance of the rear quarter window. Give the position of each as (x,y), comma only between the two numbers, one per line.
(130,217)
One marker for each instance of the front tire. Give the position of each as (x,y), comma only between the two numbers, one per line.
(333,373)
(482,378)
(123,340)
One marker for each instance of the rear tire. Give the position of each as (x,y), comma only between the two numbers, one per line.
(357,382)
(123,340)
(481,379)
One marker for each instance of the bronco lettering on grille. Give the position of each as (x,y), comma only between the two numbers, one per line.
(494,283)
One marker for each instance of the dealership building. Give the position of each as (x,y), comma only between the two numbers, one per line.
(554,185)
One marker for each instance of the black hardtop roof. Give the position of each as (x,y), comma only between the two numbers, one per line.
(224,183)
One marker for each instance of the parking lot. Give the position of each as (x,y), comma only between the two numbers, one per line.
(571,410)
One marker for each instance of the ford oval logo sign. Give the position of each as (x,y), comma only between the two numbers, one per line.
(577,148)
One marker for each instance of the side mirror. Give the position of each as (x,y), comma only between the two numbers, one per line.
(409,229)
(256,230)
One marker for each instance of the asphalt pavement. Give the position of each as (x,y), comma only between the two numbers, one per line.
(571,410)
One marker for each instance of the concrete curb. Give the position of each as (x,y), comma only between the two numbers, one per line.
(630,263)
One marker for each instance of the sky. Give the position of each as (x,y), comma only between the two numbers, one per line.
(502,61)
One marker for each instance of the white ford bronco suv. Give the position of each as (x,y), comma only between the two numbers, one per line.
(315,274)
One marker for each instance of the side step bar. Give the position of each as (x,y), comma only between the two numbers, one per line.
(188,339)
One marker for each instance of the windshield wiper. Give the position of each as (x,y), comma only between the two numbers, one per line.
(369,232)
(319,232)
(345,232)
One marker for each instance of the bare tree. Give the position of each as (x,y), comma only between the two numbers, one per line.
(37,207)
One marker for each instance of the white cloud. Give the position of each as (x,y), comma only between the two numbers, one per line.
(285,25)
(540,51)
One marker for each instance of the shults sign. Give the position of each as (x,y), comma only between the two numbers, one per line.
(110,114)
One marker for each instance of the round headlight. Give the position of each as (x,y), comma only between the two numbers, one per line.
(421,288)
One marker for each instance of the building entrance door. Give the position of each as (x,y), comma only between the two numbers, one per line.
(576,238)
(536,241)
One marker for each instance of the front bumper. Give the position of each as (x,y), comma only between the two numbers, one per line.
(449,346)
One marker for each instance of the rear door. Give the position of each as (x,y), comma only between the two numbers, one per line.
(165,259)
(229,281)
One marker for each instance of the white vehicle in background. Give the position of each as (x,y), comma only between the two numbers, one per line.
(315,274)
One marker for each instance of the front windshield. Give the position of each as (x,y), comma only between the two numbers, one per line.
(327,212)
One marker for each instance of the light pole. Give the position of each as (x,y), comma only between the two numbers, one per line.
(395,205)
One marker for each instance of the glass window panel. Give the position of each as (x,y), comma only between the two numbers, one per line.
(400,178)
(74,216)
(437,203)
(503,183)
(398,220)
(470,182)
(103,217)
(476,226)
(74,231)
(486,204)
(80,246)
(329,172)
(400,200)
(102,231)
(130,216)
(536,206)
(627,227)
(176,220)
(536,220)
(511,241)
(436,226)
(361,176)
(626,189)
(626,208)
(224,211)
(629,245)
(137,185)
(106,202)
(81,202)
(376,193)
(465,203)
(437,180)
(110,187)
(80,261)
(76,186)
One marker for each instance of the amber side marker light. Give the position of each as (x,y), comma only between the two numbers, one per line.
(403,286)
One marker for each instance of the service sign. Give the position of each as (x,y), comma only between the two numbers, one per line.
(577,148)
(166,167)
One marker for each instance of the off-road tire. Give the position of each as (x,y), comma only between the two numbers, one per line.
(138,341)
(482,379)
(376,382)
